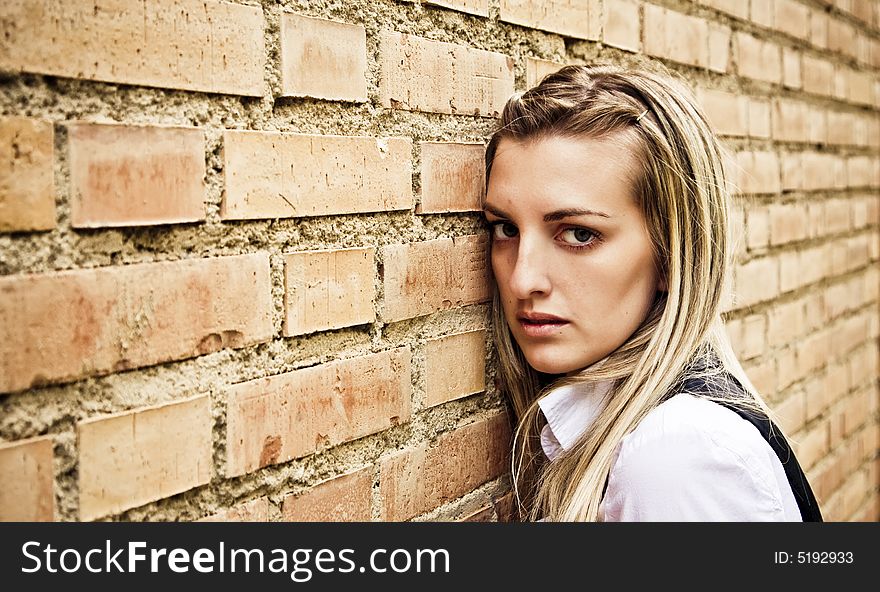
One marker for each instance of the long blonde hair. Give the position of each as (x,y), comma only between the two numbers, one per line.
(683,194)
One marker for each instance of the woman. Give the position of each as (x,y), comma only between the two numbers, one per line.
(607,207)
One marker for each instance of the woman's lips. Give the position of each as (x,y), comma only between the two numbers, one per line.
(543,326)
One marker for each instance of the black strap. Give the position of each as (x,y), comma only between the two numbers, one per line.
(803,494)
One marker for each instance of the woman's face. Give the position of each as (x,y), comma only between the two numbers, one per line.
(571,253)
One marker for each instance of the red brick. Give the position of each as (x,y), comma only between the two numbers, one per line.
(201,45)
(728,113)
(861,171)
(761,13)
(791,276)
(759,228)
(323,59)
(419,74)
(581,19)
(793,18)
(818,75)
(341,499)
(421,278)
(453,177)
(719,47)
(676,36)
(621,25)
(328,289)
(129,317)
(788,223)
(28,490)
(455,367)
(860,87)
(841,36)
(759,118)
(537,68)
(256,510)
(285,175)
(754,331)
(415,481)
(125,175)
(132,458)
(785,323)
(477,7)
(812,446)
(761,60)
(276,419)
(27,185)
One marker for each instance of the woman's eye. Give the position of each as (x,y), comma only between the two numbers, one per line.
(577,236)
(504,230)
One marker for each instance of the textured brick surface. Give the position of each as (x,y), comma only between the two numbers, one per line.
(27,185)
(758,59)
(415,481)
(204,45)
(128,317)
(341,499)
(27,493)
(455,367)
(423,75)
(421,278)
(571,18)
(621,25)
(256,510)
(133,458)
(281,175)
(328,289)
(676,36)
(453,176)
(276,419)
(537,68)
(478,7)
(323,59)
(124,175)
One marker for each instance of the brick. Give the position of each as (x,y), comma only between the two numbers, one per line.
(737,8)
(761,13)
(817,125)
(785,323)
(621,25)
(757,280)
(728,113)
(791,68)
(28,490)
(323,59)
(133,458)
(812,446)
(279,418)
(818,75)
(676,36)
(455,367)
(328,289)
(477,7)
(840,36)
(537,68)
(27,185)
(841,128)
(415,481)
(201,45)
(759,227)
(285,175)
(761,60)
(759,172)
(256,510)
(819,28)
(127,175)
(580,19)
(719,47)
(759,118)
(788,223)
(792,171)
(129,317)
(860,171)
(484,514)
(860,87)
(790,274)
(791,413)
(837,216)
(754,330)
(419,74)
(341,499)
(453,177)
(790,121)
(421,278)
(792,17)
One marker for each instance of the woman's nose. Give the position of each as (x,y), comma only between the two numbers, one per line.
(530,271)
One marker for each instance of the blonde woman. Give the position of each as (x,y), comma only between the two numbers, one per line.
(607,206)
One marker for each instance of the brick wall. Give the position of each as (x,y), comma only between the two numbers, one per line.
(242,275)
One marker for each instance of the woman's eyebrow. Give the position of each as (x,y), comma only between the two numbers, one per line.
(552,216)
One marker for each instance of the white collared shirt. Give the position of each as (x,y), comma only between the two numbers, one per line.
(689,460)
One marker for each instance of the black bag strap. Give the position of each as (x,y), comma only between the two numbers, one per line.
(803,493)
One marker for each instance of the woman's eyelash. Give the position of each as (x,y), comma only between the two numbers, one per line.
(594,237)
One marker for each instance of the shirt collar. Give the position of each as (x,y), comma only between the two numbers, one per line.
(569,411)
